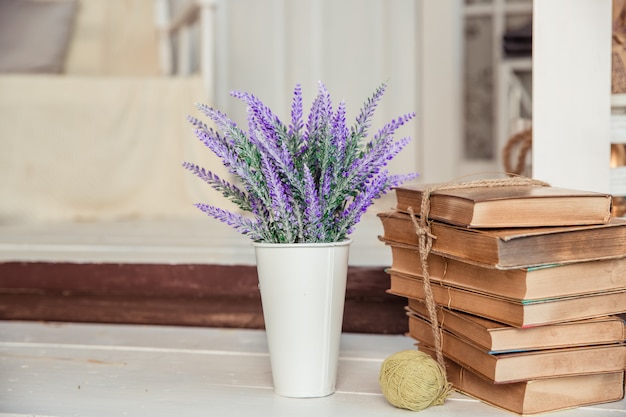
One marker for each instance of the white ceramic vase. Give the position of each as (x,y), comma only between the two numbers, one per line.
(303,287)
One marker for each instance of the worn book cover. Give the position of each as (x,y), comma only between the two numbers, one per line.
(521,283)
(509,206)
(524,365)
(537,395)
(516,313)
(513,247)
(496,337)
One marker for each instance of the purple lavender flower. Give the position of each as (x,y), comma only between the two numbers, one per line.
(228,190)
(299,183)
(281,209)
(237,221)
(313,211)
(367,111)
(296,112)
(264,120)
(339,131)
(352,214)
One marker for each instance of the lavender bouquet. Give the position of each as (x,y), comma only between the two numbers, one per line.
(299,183)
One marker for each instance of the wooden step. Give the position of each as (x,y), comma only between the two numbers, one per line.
(189,294)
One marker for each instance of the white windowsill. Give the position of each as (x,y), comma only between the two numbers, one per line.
(168,241)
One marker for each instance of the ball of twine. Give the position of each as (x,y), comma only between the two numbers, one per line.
(413,380)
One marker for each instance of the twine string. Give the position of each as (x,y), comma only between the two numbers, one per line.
(425,242)
(425,237)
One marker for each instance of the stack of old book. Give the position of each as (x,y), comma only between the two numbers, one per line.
(528,282)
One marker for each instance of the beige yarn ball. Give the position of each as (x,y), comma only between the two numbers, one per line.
(413,380)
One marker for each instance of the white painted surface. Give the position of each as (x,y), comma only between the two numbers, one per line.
(571,93)
(200,241)
(65,370)
(440,90)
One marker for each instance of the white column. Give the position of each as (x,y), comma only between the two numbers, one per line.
(162,20)
(571,93)
(207,19)
(441,64)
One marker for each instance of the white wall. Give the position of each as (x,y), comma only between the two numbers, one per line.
(267,46)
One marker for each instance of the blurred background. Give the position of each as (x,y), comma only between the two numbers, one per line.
(94,94)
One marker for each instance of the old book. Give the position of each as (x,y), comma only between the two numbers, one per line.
(511,206)
(514,248)
(495,337)
(516,313)
(521,283)
(524,366)
(538,395)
